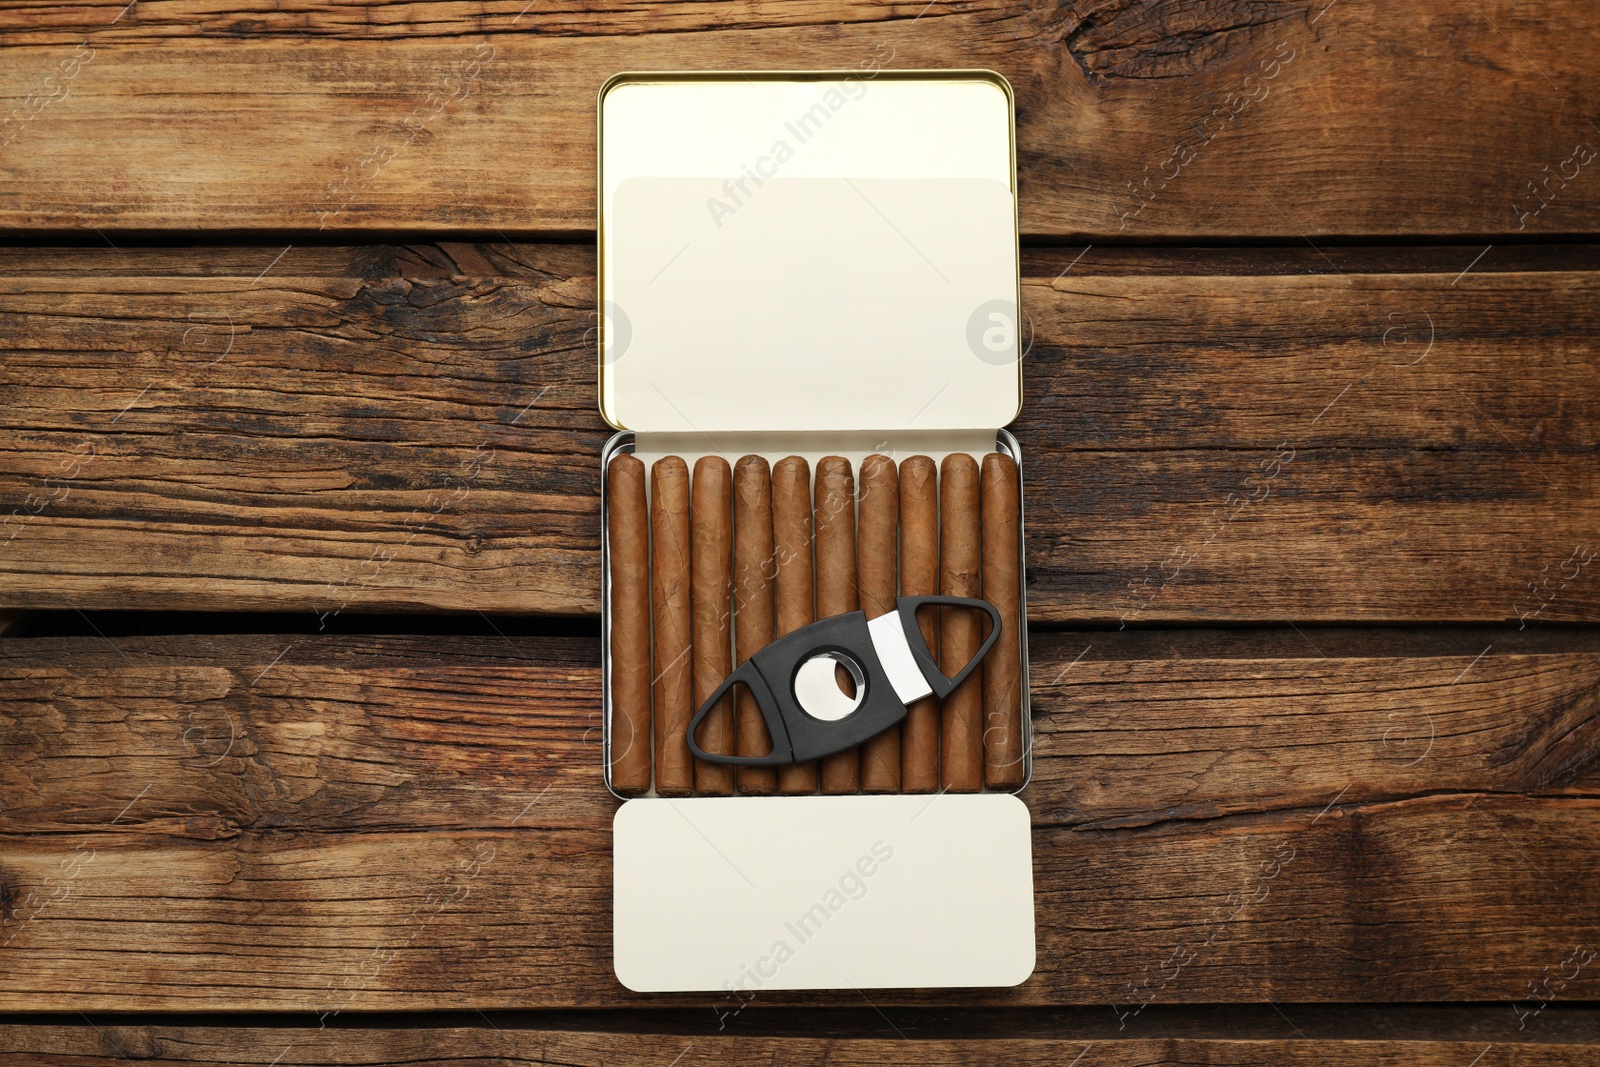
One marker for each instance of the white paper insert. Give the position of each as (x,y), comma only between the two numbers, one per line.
(809,255)
(824,305)
(741,894)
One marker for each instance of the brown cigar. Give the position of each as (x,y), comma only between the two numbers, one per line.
(669,585)
(795,607)
(919,576)
(877,577)
(1002,667)
(960,629)
(753,571)
(836,586)
(628,539)
(712,524)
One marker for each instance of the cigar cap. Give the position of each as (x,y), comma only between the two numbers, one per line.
(958,465)
(999,459)
(714,465)
(749,466)
(832,465)
(669,467)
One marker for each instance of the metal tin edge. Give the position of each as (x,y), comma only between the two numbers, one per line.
(623,440)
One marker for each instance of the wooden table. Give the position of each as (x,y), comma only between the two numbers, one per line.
(299,705)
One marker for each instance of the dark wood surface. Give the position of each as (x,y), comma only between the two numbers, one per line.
(1208,435)
(1165,120)
(1292,1035)
(296,316)
(1322,815)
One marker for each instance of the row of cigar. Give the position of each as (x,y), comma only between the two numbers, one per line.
(706,571)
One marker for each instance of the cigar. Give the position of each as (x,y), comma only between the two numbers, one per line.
(711,522)
(919,576)
(836,586)
(670,599)
(791,534)
(877,579)
(753,572)
(1002,667)
(628,538)
(960,630)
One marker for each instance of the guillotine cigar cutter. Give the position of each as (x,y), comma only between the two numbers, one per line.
(808,715)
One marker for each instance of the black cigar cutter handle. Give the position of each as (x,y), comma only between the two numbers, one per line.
(797,669)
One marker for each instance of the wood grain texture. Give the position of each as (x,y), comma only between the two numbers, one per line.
(1208,435)
(419,822)
(245,468)
(111,1042)
(1215,118)
(322,733)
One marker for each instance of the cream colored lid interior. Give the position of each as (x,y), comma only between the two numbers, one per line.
(802,254)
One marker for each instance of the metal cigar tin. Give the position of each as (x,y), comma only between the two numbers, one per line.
(807,263)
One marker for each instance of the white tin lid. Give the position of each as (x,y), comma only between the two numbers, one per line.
(802,252)
(743,894)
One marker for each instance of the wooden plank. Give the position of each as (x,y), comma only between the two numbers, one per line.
(1354,481)
(1436,898)
(109,1042)
(303,732)
(229,502)
(1134,120)
(298,732)
(416,822)
(1208,435)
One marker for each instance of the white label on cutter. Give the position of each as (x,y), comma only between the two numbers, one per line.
(738,894)
(894,652)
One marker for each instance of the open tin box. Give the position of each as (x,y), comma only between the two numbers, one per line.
(813,264)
